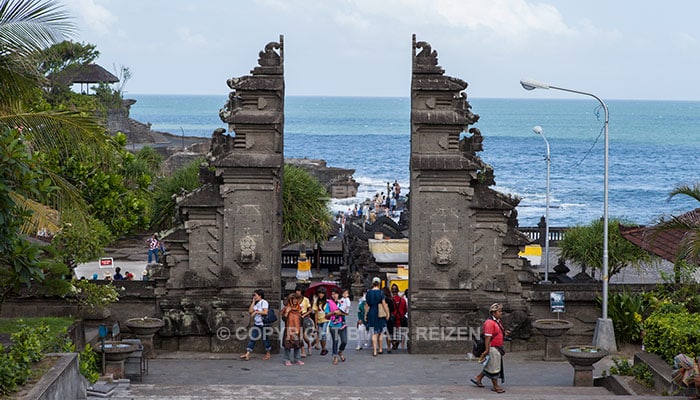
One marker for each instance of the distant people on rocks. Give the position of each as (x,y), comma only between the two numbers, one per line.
(153,248)
(118,274)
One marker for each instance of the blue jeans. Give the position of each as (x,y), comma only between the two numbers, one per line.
(255,333)
(292,355)
(151,254)
(342,334)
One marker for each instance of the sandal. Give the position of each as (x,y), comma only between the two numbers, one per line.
(324,352)
(245,357)
(335,360)
(288,363)
(476,383)
(266,356)
(374,353)
(498,390)
(342,357)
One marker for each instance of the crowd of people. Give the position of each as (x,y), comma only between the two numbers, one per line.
(380,205)
(320,322)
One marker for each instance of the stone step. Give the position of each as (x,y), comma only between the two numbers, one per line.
(277,390)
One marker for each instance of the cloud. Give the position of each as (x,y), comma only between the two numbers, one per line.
(187,37)
(94,16)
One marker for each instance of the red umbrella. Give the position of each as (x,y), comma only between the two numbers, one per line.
(311,290)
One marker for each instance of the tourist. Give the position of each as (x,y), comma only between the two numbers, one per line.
(153,248)
(319,308)
(337,326)
(376,325)
(492,357)
(390,322)
(128,276)
(362,332)
(400,319)
(292,338)
(257,310)
(107,276)
(118,274)
(306,322)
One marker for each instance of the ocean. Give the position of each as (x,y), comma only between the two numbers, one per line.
(653,147)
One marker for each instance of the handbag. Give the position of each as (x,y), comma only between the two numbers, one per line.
(382,310)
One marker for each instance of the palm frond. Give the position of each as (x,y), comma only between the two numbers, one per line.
(43,221)
(687,190)
(30,25)
(62,131)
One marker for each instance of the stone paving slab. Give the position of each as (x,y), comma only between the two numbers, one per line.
(204,376)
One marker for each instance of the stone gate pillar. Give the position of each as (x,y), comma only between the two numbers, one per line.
(457,225)
(251,179)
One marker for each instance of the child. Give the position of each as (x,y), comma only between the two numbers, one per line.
(362,334)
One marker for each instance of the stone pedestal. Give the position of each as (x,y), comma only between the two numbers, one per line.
(582,359)
(552,330)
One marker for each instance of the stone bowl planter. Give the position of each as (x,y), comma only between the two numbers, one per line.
(116,350)
(552,327)
(582,355)
(144,326)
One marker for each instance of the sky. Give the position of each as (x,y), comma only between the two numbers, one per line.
(622,49)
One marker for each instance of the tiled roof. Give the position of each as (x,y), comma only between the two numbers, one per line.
(663,243)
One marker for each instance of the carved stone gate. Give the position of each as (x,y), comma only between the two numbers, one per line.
(463,245)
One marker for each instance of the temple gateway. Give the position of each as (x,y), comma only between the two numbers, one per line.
(464,244)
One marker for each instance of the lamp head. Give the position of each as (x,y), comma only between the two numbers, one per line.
(537,129)
(529,84)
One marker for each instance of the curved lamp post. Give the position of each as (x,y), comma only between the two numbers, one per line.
(604,335)
(538,130)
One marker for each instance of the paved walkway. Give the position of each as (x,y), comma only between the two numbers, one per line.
(200,376)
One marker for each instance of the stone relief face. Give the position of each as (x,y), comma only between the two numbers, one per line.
(247,249)
(443,252)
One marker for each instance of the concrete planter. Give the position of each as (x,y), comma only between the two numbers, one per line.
(582,358)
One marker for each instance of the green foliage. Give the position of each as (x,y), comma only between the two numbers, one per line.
(31,339)
(671,330)
(64,54)
(182,181)
(675,298)
(584,244)
(92,295)
(80,239)
(306,216)
(641,371)
(89,366)
(626,310)
(29,344)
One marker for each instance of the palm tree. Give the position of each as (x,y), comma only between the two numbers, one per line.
(26,27)
(689,247)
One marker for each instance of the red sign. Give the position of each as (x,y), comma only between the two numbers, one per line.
(106,262)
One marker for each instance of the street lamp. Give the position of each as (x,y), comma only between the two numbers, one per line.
(604,335)
(538,130)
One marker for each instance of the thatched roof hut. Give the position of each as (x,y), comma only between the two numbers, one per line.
(83,74)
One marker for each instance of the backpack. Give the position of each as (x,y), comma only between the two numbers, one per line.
(270,318)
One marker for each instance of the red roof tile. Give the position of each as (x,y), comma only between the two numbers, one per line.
(663,243)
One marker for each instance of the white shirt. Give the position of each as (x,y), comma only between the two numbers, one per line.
(260,306)
(344,305)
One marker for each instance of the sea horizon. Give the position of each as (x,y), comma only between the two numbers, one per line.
(652,145)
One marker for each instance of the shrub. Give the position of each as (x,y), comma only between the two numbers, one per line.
(641,372)
(672,330)
(626,310)
(88,364)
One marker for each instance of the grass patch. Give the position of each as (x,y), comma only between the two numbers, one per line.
(55,324)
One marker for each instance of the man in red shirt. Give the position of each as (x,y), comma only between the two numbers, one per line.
(400,319)
(492,357)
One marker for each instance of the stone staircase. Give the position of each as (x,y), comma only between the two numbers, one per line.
(260,392)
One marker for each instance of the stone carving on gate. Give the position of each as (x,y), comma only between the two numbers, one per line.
(443,253)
